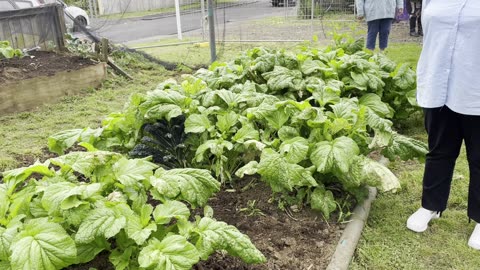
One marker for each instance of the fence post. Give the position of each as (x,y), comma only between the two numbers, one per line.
(211,24)
(60,28)
(179,21)
(202,20)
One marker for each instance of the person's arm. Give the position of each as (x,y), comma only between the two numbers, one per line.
(360,8)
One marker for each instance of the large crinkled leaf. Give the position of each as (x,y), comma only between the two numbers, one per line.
(60,141)
(84,162)
(282,175)
(310,67)
(42,245)
(174,252)
(7,235)
(88,251)
(245,133)
(217,235)
(295,150)
(405,148)
(13,177)
(122,259)
(275,117)
(335,155)
(323,201)
(197,123)
(164,213)
(195,186)
(130,171)
(163,111)
(404,77)
(155,99)
(226,121)
(137,230)
(365,171)
(102,222)
(375,103)
(282,78)
(4,202)
(250,168)
(286,133)
(217,147)
(56,194)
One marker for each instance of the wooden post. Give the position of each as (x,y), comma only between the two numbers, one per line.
(104,49)
(60,28)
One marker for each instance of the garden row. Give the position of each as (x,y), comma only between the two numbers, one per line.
(305,122)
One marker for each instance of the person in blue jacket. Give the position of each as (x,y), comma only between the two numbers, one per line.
(379,15)
(448,90)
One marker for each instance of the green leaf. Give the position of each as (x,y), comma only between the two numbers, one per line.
(280,174)
(130,171)
(197,123)
(335,155)
(87,252)
(217,147)
(282,78)
(226,121)
(102,222)
(246,132)
(286,133)
(122,259)
(370,172)
(217,235)
(375,103)
(138,230)
(60,141)
(84,162)
(13,177)
(250,168)
(163,111)
(405,148)
(42,245)
(164,213)
(295,150)
(323,201)
(172,253)
(195,186)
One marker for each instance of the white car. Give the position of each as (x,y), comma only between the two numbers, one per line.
(80,16)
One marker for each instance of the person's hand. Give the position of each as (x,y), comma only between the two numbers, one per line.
(400,11)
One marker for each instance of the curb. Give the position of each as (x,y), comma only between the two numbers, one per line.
(348,242)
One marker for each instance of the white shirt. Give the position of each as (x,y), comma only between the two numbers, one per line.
(448,71)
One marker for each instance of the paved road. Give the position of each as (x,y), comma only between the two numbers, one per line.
(130,30)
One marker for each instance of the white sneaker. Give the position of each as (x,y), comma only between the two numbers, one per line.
(474,241)
(418,222)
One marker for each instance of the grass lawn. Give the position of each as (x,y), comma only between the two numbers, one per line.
(386,243)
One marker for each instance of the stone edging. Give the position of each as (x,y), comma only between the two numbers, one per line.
(348,242)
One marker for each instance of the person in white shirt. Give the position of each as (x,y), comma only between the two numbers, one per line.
(448,90)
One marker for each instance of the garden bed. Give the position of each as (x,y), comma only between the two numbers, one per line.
(45,77)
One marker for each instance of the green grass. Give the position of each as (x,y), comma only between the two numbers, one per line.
(386,243)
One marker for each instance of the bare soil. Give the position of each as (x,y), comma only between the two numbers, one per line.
(39,63)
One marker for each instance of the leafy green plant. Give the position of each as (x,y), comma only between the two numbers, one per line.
(7,52)
(69,209)
(305,122)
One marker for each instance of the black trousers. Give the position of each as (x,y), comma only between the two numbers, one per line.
(446,131)
(415,11)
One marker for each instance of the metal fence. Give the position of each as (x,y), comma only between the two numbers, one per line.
(28,28)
